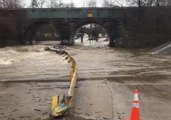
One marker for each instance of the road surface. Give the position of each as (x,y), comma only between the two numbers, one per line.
(30,76)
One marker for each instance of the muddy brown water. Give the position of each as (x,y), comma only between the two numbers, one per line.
(30,76)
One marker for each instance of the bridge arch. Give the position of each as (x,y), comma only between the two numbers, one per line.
(31,31)
(86,22)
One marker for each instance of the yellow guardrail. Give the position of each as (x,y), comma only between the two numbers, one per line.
(59,108)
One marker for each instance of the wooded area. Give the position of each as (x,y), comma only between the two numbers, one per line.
(90,3)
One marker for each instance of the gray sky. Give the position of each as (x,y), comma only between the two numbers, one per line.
(80,3)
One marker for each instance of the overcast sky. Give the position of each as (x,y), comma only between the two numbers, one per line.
(79,3)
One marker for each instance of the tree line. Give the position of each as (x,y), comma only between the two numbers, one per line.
(141,3)
(35,4)
(90,3)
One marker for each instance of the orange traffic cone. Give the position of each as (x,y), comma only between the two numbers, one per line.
(135,115)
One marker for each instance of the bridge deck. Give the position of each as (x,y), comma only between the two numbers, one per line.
(70,12)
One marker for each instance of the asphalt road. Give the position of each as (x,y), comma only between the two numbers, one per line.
(30,76)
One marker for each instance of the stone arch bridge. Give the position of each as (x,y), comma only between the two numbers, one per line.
(65,20)
(147,24)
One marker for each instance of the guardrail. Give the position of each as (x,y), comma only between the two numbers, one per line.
(59,108)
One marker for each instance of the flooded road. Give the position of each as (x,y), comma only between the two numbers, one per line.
(30,76)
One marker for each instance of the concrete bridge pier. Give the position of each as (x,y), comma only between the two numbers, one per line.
(65,33)
(112,29)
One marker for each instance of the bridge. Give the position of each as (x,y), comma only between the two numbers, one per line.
(66,21)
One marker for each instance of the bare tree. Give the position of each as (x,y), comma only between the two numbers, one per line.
(140,3)
(10,4)
(154,2)
(41,3)
(34,4)
(37,3)
(59,4)
(169,3)
(134,2)
(106,3)
(92,3)
(71,5)
(112,3)
(54,4)
(161,2)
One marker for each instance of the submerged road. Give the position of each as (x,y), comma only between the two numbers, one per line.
(30,76)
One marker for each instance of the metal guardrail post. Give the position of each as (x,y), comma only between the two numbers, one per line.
(60,108)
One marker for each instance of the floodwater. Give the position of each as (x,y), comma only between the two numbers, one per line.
(30,76)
